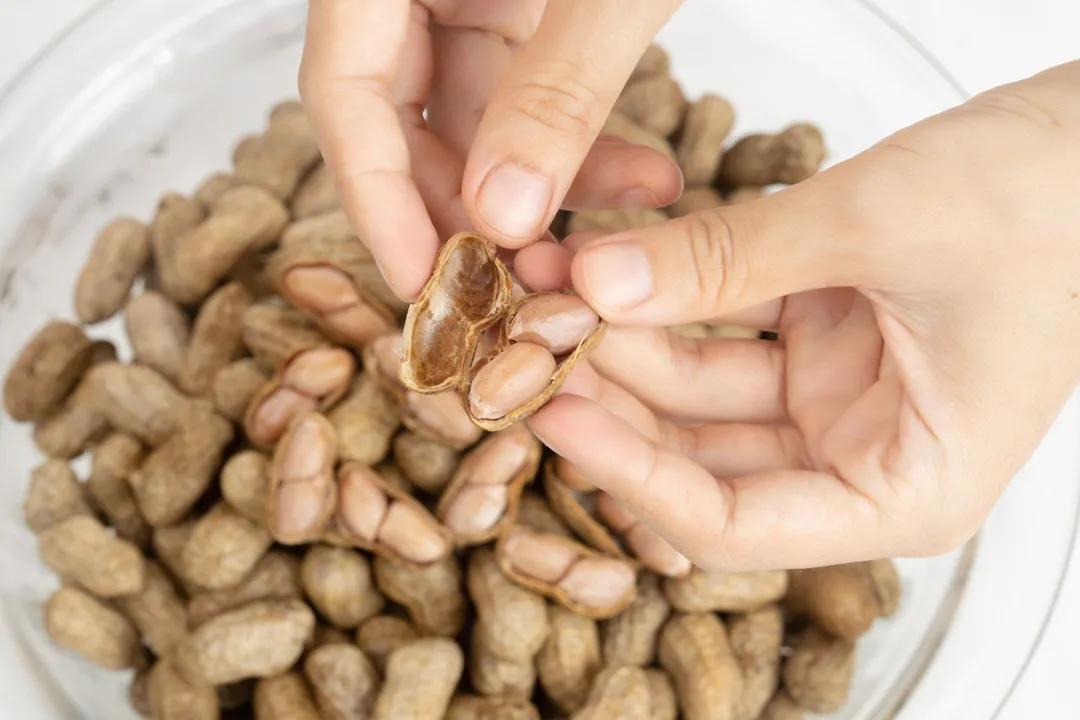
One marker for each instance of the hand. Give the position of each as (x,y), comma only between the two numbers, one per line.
(927,299)
(521,87)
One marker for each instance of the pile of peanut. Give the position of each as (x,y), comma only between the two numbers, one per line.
(309,500)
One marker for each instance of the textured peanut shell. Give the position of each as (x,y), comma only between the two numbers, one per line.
(316,194)
(695,200)
(76,424)
(630,637)
(245,484)
(565,366)
(432,595)
(819,670)
(212,187)
(428,463)
(139,400)
(500,707)
(54,495)
(46,371)
(782,707)
(841,599)
(701,143)
(654,61)
(663,703)
(514,617)
(381,635)
(172,697)
(276,161)
(216,337)
(436,355)
(614,220)
(276,577)
(789,157)
(79,622)
(114,460)
(620,692)
(343,680)
(157,611)
(887,585)
(174,217)
(168,545)
(284,697)
(696,652)
(565,503)
(515,487)
(159,331)
(233,387)
(437,663)
(535,513)
(490,674)
(339,584)
(657,103)
(569,659)
(622,127)
(273,333)
(138,694)
(366,420)
(756,641)
(82,550)
(725,592)
(120,253)
(223,548)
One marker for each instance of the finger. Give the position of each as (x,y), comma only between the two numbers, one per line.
(730,380)
(733,450)
(549,109)
(765,316)
(776,520)
(618,174)
(543,266)
(346,83)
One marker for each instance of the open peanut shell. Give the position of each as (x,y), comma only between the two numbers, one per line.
(469,291)
(482,499)
(568,505)
(566,358)
(378,517)
(302,494)
(568,572)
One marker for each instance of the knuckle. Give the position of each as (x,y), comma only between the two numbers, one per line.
(1016,104)
(718,274)
(562,106)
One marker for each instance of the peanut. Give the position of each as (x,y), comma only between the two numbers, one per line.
(576,508)
(234,386)
(289,116)
(654,61)
(339,304)
(284,697)
(535,514)
(273,334)
(569,573)
(439,662)
(139,401)
(725,592)
(379,518)
(276,161)
(138,694)
(176,215)
(885,580)
(619,692)
(172,697)
(663,703)
(120,253)
(504,707)
(648,546)
(782,707)
(157,611)
(223,548)
(511,380)
(789,157)
(82,550)
(75,425)
(440,417)
(482,498)
(696,653)
(245,484)
(366,421)
(276,577)
(302,493)
(756,640)
(468,292)
(343,680)
(216,338)
(326,635)
(428,463)
(158,330)
(569,659)
(630,638)
(54,496)
(841,599)
(557,321)
(656,103)
(694,200)
(168,544)
(316,194)
(393,476)
(819,671)
(708,121)
(611,221)
(210,189)
(46,371)
(258,640)
(381,635)
(235,696)
(339,584)
(431,594)
(312,379)
(78,622)
(114,460)
(514,618)
(621,127)
(492,675)
(177,473)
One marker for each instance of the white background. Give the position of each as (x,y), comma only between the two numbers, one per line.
(982,42)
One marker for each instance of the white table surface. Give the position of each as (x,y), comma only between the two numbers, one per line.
(982,42)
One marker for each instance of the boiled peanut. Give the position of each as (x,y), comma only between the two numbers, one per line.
(119,254)
(620,126)
(275,161)
(654,61)
(276,577)
(569,659)
(663,703)
(159,331)
(339,584)
(46,371)
(647,545)
(75,425)
(656,102)
(725,592)
(615,220)
(577,508)
(338,303)
(140,401)
(490,674)
(789,157)
(54,495)
(302,490)
(273,334)
(819,671)
(87,626)
(172,697)
(782,707)
(258,640)
(343,680)
(511,380)
(82,550)
(502,707)
(168,544)
(630,638)
(245,484)
(210,189)
(708,121)
(284,697)
(756,640)
(514,618)
(114,460)
(366,421)
(223,548)
(234,386)
(428,463)
(568,572)
(432,594)
(841,599)
(885,580)
(138,694)
(176,215)
(316,194)
(619,692)
(439,662)
(157,611)
(216,338)
(535,514)
(381,635)
(556,321)
(696,653)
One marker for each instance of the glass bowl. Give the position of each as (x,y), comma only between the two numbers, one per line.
(145,96)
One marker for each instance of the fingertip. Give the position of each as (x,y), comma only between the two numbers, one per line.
(613,274)
(510,203)
(543,266)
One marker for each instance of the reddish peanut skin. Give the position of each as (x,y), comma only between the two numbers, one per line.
(510,380)
(303,494)
(556,321)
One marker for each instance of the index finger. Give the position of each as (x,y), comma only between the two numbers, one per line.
(351,56)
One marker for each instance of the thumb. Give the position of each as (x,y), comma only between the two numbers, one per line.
(836,229)
(549,109)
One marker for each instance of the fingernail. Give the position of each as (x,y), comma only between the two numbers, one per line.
(639,197)
(514,201)
(617,274)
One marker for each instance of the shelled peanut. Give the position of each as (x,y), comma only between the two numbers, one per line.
(309,500)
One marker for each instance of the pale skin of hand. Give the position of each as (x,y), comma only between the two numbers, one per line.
(925,292)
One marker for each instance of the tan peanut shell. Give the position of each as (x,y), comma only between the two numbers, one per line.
(54,495)
(619,692)
(114,460)
(77,423)
(705,128)
(138,694)
(276,161)
(433,595)
(223,548)
(841,599)
(174,217)
(428,464)
(663,702)
(303,494)
(258,640)
(536,514)
(234,386)
(82,550)
(569,659)
(789,157)
(172,697)
(284,697)
(568,505)
(79,622)
(782,707)
(617,220)
(273,333)
(381,635)
(514,618)
(159,331)
(622,127)
(656,102)
(245,484)
(211,188)
(339,584)
(468,292)
(343,680)
(501,707)
(276,577)
(482,498)
(168,544)
(818,672)
(630,637)
(316,194)
(157,611)
(439,662)
(654,61)
(46,371)
(216,338)
(139,401)
(696,652)
(490,674)
(756,639)
(366,420)
(120,253)
(887,585)
(725,592)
